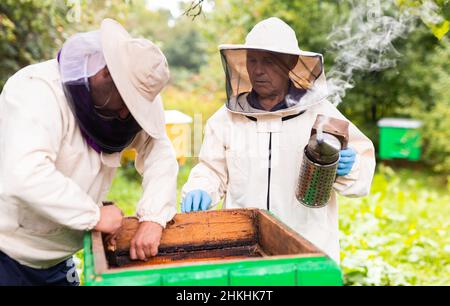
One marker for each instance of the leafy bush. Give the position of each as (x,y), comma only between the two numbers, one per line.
(436,129)
(399,234)
(436,136)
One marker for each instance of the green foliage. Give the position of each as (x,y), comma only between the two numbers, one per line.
(29,31)
(436,136)
(180,39)
(33,31)
(438,21)
(86,15)
(388,93)
(79,262)
(312,20)
(193,103)
(399,234)
(183,48)
(126,189)
(435,72)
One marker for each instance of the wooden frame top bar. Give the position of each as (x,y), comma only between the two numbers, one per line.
(201,237)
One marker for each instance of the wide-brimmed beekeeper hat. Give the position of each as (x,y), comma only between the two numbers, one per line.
(140,71)
(276,36)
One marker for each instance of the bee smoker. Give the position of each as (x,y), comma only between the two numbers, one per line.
(320,161)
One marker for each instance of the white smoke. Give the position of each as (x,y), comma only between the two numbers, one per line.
(364,41)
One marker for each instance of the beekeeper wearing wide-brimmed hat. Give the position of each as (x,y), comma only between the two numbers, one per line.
(63,126)
(253,145)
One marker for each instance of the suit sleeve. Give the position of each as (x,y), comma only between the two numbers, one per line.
(157,162)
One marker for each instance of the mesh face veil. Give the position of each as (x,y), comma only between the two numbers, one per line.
(305,74)
(81,58)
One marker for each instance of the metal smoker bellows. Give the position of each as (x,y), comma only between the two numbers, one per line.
(320,161)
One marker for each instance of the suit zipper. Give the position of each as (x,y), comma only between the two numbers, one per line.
(269,170)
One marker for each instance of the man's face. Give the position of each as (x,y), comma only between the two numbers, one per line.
(106,97)
(266,74)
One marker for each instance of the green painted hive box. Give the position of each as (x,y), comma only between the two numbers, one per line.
(399,138)
(223,248)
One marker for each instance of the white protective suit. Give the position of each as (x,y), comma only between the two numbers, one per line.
(52,182)
(252,157)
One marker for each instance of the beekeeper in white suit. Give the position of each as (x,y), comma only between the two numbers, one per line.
(63,126)
(253,146)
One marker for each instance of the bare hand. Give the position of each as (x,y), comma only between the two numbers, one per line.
(146,241)
(110,219)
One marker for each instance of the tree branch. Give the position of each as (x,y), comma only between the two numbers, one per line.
(195,9)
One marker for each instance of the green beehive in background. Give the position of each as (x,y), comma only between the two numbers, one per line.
(399,138)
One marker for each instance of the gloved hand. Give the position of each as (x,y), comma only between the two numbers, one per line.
(196,200)
(346,160)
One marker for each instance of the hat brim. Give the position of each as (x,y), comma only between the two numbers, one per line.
(149,114)
(274,49)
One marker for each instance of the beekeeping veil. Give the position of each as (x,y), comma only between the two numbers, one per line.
(139,71)
(278,38)
(81,58)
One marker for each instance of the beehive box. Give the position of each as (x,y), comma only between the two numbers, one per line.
(400,138)
(178,129)
(227,247)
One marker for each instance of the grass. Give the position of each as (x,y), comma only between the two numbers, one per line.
(399,235)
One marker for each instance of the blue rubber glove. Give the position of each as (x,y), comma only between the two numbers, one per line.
(346,160)
(196,200)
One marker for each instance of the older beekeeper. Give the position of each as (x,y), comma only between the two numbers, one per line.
(254,145)
(63,126)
